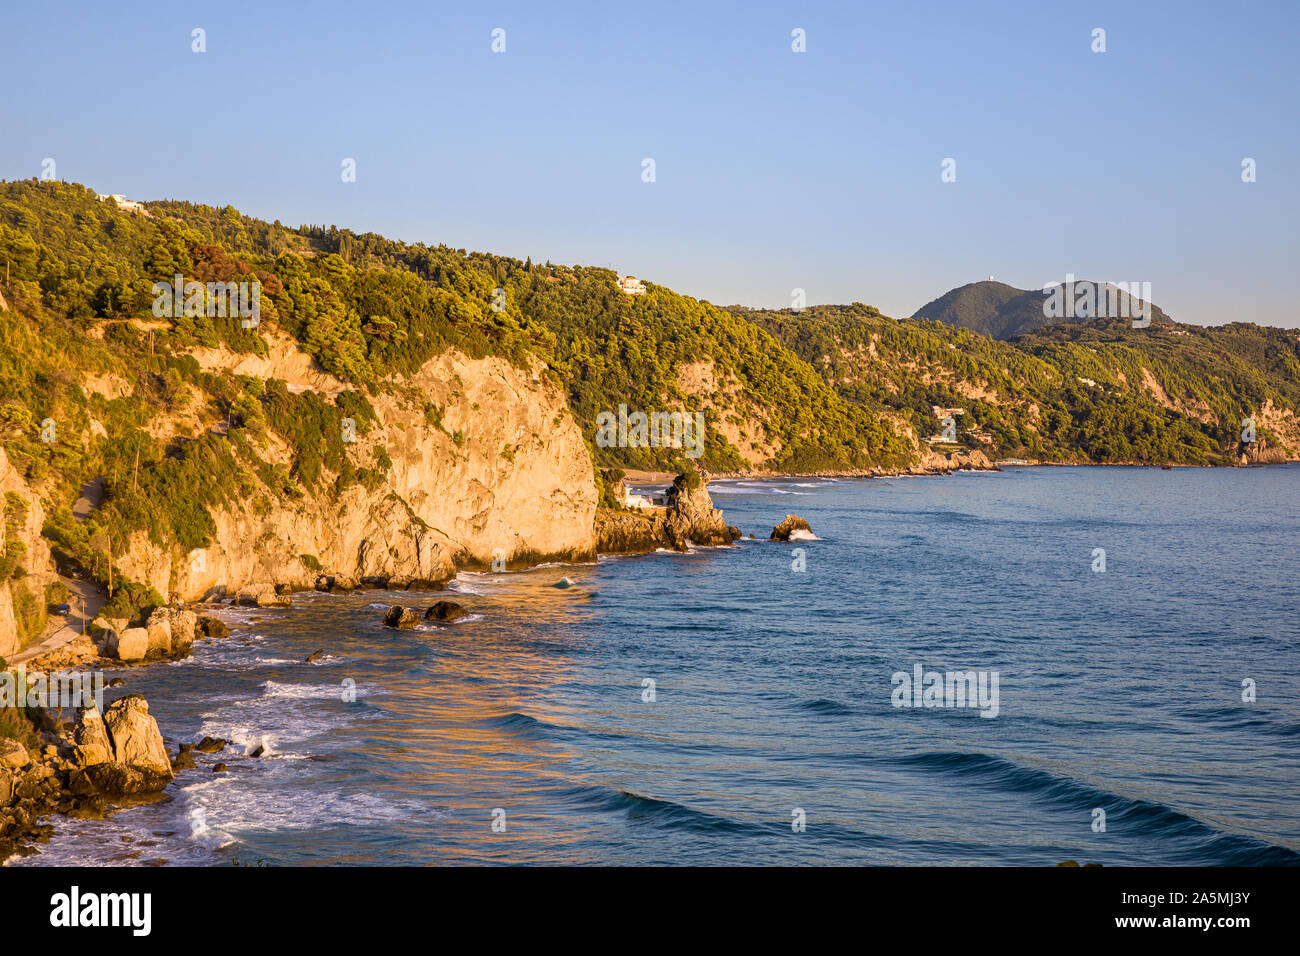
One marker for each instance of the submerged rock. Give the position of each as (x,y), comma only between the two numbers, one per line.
(213,627)
(183,761)
(261,595)
(563,583)
(445,612)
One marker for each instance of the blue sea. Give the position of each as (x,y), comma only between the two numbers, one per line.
(740,705)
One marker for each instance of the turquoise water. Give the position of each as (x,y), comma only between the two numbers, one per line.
(1118,690)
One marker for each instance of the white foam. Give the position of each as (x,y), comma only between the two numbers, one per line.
(273,688)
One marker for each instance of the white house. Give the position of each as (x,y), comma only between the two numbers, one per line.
(126,205)
(654,499)
(631,285)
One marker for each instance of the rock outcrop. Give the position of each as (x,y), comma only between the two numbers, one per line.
(262,594)
(791,527)
(688,519)
(116,756)
(120,754)
(171,632)
(445,612)
(90,736)
(213,627)
(402,617)
(13,755)
(1260,452)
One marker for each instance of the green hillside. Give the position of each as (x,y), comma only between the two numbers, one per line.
(1091,392)
(828,389)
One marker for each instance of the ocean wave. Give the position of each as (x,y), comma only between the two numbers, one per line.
(1136,816)
(827,707)
(658,813)
(434,627)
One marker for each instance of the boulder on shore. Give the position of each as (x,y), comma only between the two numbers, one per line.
(171,632)
(261,595)
(399,616)
(159,629)
(13,754)
(791,527)
(445,612)
(121,753)
(335,583)
(210,745)
(129,644)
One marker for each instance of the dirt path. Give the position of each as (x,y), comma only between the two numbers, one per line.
(92,493)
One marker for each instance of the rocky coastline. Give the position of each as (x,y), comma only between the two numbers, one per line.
(88,764)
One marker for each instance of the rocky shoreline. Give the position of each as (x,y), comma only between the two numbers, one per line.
(93,764)
(96,763)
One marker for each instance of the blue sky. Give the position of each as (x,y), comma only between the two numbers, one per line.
(774,170)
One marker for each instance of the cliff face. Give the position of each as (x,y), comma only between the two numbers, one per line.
(504,477)
(24,559)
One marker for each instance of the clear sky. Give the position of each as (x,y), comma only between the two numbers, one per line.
(774,170)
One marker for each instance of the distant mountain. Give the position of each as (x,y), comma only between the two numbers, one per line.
(1001,311)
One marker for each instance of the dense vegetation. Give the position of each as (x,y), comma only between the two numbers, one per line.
(830,388)
(1071,392)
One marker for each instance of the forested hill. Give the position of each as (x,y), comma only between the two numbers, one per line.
(1099,391)
(830,388)
(366,308)
(1001,311)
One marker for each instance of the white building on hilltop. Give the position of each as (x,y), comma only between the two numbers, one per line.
(124,204)
(631,285)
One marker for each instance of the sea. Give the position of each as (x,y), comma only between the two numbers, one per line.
(1007,668)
